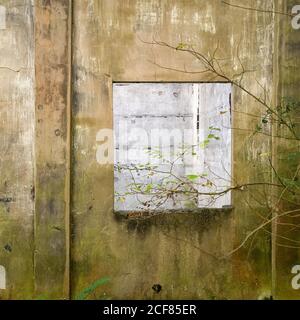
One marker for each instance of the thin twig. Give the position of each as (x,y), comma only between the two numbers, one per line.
(258,10)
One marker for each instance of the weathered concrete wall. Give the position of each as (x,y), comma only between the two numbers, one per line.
(52,149)
(45,255)
(17,148)
(35,148)
(286,251)
(179,251)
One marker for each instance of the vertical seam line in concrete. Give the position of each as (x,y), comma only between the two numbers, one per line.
(69,157)
(33,12)
(35,153)
(273,139)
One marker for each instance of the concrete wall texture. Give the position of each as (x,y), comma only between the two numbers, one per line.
(58,233)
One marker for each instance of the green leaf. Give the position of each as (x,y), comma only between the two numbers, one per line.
(192,177)
(211,128)
(212,136)
(148,188)
(181,46)
(204,144)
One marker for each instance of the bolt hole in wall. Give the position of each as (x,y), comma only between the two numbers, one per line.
(172,146)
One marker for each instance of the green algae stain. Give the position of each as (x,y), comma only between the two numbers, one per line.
(90,289)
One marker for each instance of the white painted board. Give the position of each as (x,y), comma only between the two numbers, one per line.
(178,113)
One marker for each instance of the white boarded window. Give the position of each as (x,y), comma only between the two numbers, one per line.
(172,145)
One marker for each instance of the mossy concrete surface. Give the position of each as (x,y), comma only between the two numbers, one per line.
(58,230)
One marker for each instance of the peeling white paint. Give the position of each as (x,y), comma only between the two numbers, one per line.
(18,109)
(2,278)
(175,15)
(91,9)
(148,13)
(205,20)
